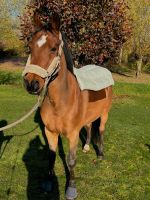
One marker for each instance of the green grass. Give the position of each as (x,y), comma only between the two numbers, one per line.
(123,175)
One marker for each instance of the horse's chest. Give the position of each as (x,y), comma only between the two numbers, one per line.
(52,120)
(56,125)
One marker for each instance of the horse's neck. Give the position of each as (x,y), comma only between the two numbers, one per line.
(59,90)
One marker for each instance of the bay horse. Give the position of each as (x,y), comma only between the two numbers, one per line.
(65,108)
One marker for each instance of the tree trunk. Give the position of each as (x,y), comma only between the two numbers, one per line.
(120,55)
(139,67)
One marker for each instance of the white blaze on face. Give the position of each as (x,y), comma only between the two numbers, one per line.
(42,40)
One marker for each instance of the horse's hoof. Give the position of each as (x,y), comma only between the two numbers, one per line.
(46,186)
(100,157)
(71,193)
(86,148)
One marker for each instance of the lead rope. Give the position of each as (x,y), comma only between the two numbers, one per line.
(38,104)
(22,118)
(34,108)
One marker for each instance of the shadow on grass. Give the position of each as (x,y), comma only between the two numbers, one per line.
(148,146)
(37,163)
(4,138)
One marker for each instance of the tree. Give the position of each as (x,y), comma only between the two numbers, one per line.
(9,11)
(140,39)
(96,29)
(5,32)
(99,29)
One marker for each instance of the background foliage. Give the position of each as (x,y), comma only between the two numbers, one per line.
(96,30)
(101,32)
(10,25)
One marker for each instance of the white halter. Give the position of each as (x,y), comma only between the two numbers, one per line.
(48,74)
(52,69)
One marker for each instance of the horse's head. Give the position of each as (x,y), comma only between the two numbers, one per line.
(45,48)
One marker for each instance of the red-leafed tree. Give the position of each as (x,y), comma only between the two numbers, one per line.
(96,29)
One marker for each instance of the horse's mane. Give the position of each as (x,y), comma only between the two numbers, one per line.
(68,56)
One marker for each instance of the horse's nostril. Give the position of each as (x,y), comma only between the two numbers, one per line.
(34,86)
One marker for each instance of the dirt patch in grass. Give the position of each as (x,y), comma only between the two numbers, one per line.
(17,64)
(13,64)
(123,98)
(145,78)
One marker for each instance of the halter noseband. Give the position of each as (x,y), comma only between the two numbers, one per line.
(52,69)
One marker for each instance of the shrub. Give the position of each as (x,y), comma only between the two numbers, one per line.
(10,78)
(96,29)
(147,68)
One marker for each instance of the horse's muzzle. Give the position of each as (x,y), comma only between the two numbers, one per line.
(32,87)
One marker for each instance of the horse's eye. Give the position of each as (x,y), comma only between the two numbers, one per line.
(53,49)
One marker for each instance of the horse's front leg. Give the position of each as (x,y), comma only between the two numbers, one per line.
(71,192)
(52,139)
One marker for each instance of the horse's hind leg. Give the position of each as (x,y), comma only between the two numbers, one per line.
(86,147)
(104,118)
(71,192)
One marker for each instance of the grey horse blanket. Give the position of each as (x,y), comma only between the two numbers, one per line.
(93,77)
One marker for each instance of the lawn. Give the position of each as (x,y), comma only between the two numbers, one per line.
(123,175)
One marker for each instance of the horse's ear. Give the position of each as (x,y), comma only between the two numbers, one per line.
(37,21)
(55,22)
(51,23)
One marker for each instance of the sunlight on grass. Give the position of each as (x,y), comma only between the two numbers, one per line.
(123,175)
